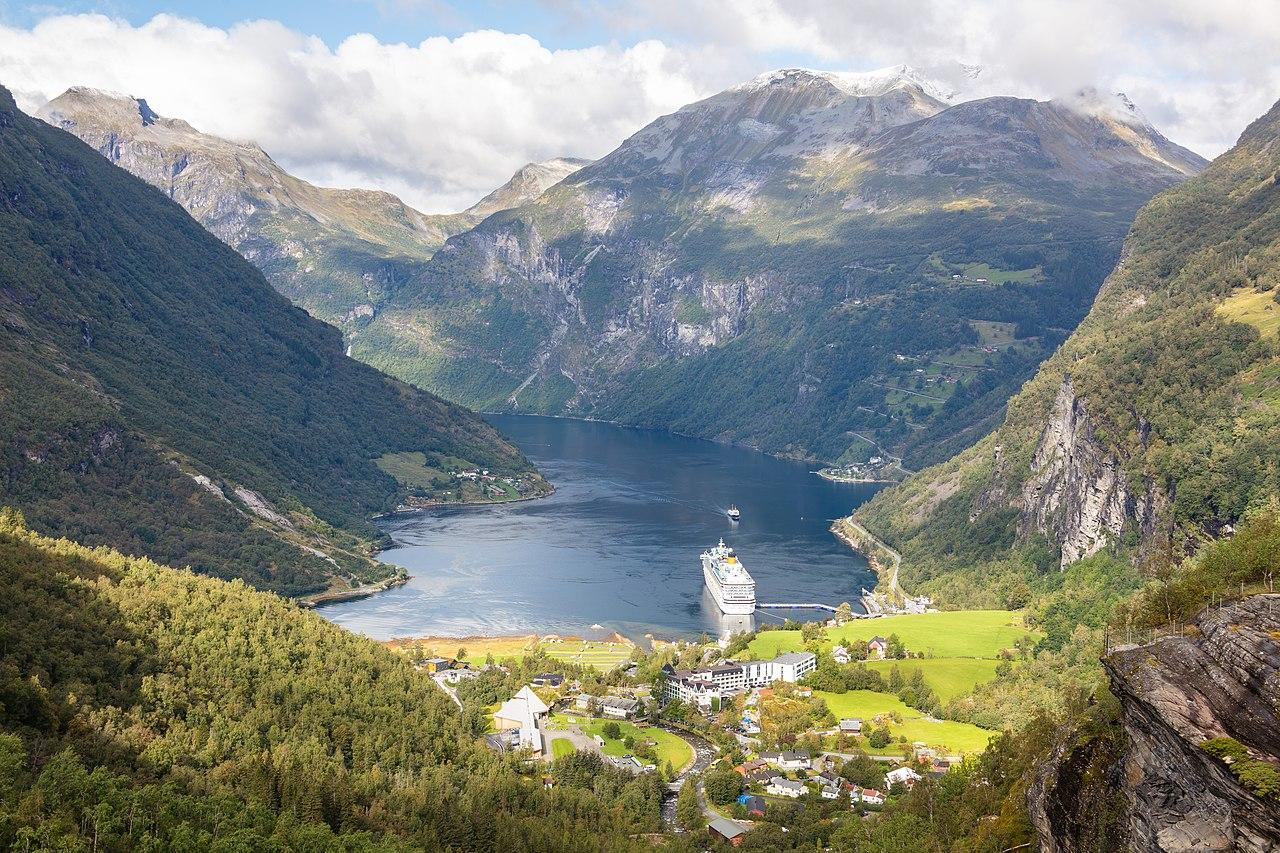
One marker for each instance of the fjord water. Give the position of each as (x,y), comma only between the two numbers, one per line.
(618,543)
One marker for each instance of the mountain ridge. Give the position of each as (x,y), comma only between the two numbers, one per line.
(637,289)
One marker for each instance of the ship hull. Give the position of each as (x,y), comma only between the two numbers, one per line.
(731,608)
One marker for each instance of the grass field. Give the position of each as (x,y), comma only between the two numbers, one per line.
(949,634)
(601,654)
(999,276)
(666,745)
(992,333)
(1259,310)
(561,747)
(949,677)
(945,735)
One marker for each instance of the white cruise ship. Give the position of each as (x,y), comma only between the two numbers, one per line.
(729,584)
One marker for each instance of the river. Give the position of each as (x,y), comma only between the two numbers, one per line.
(617,545)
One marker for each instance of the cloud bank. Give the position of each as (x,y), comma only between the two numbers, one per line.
(442,122)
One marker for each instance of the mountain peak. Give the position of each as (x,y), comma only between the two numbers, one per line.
(102,105)
(858,84)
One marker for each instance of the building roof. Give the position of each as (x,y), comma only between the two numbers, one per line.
(784,782)
(536,705)
(726,828)
(793,658)
(624,702)
(881,640)
(795,755)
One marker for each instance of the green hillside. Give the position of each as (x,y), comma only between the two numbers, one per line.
(139,353)
(791,266)
(1167,399)
(143,707)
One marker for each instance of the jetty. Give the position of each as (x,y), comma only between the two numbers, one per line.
(805,606)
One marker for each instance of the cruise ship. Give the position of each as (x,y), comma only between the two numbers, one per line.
(732,588)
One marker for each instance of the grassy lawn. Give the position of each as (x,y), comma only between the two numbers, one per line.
(992,333)
(1260,310)
(946,735)
(999,276)
(949,634)
(561,747)
(667,746)
(604,655)
(949,677)
(411,469)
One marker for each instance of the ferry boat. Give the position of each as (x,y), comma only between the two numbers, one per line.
(732,588)
(733,512)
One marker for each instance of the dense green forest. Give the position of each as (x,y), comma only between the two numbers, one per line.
(138,352)
(1177,371)
(143,707)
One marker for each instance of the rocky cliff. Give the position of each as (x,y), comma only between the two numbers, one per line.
(1185,700)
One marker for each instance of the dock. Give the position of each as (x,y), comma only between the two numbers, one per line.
(807,606)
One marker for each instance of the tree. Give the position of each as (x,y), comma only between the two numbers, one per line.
(688,811)
(462,654)
(722,784)
(879,737)
(611,730)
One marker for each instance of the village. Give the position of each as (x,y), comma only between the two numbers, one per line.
(755,736)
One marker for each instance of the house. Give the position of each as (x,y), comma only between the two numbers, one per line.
(754,805)
(827,779)
(868,796)
(729,830)
(878,648)
(830,792)
(840,655)
(794,760)
(583,701)
(434,665)
(547,679)
(523,714)
(780,786)
(902,776)
(851,726)
(748,767)
(698,685)
(619,707)
(760,777)
(453,676)
(804,692)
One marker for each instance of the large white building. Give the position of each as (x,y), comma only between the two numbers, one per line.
(698,686)
(522,713)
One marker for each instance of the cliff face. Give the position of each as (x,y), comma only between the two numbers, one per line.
(1223,680)
(1079,494)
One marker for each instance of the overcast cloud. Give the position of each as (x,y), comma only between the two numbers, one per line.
(443,122)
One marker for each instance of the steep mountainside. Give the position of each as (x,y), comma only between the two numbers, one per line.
(816,264)
(158,396)
(1160,415)
(147,708)
(335,252)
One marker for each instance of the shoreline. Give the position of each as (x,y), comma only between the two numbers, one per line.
(874,551)
(837,479)
(313,602)
(413,510)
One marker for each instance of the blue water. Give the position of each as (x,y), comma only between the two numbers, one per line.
(617,545)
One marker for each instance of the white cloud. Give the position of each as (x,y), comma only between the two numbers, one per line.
(440,124)
(443,122)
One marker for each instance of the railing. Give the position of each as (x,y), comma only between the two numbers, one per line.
(808,606)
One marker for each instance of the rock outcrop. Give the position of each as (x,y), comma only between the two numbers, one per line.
(1219,680)
(1079,495)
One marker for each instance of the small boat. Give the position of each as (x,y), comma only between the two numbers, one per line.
(733,512)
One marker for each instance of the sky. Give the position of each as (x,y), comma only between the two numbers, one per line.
(439,101)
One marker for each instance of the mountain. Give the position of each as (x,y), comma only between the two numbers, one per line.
(1154,425)
(147,708)
(529,182)
(820,265)
(335,252)
(159,396)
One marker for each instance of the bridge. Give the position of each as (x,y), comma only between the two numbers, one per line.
(807,606)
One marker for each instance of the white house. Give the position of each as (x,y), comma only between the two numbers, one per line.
(522,713)
(902,776)
(870,796)
(794,760)
(697,686)
(830,792)
(851,726)
(781,787)
(840,654)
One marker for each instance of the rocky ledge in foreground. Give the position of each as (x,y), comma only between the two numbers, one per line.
(1200,716)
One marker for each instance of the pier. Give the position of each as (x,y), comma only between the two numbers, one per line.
(808,606)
